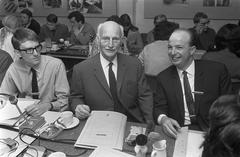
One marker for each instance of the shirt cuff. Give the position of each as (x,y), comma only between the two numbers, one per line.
(160,118)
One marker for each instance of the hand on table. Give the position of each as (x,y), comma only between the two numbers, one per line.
(170,126)
(82,111)
(38,109)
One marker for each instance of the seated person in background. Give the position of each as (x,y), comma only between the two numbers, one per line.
(81,32)
(36,76)
(134,39)
(203,35)
(5,61)
(186,90)
(10,23)
(53,30)
(225,52)
(157,20)
(223,137)
(155,55)
(29,22)
(111,80)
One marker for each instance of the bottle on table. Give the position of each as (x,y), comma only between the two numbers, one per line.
(141,145)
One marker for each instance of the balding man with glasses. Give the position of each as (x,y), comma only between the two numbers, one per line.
(36,76)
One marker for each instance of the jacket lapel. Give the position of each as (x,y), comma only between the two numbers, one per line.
(120,72)
(99,74)
(198,85)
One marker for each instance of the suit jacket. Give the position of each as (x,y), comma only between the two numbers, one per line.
(89,86)
(211,78)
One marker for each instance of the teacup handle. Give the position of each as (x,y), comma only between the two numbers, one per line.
(154,153)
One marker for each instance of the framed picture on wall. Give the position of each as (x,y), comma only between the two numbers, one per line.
(185,9)
(90,8)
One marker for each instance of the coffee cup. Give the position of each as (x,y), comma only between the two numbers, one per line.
(159,149)
(66,118)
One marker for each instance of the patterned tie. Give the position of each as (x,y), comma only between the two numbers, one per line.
(34,84)
(189,98)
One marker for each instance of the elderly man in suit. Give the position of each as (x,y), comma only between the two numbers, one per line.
(111,80)
(186,90)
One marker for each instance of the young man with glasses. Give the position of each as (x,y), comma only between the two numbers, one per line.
(36,76)
(204,36)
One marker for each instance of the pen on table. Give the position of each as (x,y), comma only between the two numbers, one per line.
(198,92)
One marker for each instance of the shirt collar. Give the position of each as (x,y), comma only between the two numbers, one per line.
(190,70)
(105,62)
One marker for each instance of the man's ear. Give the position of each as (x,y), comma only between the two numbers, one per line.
(193,49)
(18,53)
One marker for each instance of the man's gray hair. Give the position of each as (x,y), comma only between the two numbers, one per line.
(101,25)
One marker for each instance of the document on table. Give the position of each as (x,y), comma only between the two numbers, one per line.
(188,143)
(103,128)
(103,152)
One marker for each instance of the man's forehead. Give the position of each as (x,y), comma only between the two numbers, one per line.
(180,36)
(110,28)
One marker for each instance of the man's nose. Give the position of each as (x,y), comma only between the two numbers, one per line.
(35,53)
(110,43)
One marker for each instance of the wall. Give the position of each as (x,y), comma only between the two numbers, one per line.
(135,8)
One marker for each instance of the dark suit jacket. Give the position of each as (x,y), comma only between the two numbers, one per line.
(89,86)
(5,62)
(211,78)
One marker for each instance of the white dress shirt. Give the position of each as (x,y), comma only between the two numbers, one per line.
(105,66)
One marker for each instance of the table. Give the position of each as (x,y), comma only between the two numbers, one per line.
(75,132)
(70,56)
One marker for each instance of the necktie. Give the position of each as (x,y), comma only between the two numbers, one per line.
(189,98)
(113,87)
(34,84)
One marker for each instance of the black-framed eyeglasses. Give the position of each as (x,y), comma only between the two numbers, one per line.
(38,48)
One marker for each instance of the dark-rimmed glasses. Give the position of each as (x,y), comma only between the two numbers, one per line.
(38,48)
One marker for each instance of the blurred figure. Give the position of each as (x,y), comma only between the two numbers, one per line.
(29,22)
(134,39)
(203,35)
(10,23)
(223,137)
(227,49)
(5,61)
(53,30)
(81,32)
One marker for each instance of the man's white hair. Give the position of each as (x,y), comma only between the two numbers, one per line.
(101,25)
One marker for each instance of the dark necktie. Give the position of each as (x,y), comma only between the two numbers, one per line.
(189,98)
(113,87)
(34,84)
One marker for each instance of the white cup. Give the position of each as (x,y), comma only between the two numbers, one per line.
(57,154)
(66,118)
(159,149)
(66,43)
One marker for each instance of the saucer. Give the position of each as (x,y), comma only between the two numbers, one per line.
(74,123)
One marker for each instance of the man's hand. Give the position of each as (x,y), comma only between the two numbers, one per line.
(82,111)
(170,126)
(38,109)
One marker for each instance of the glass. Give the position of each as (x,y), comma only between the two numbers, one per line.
(38,48)
(48,43)
(106,40)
